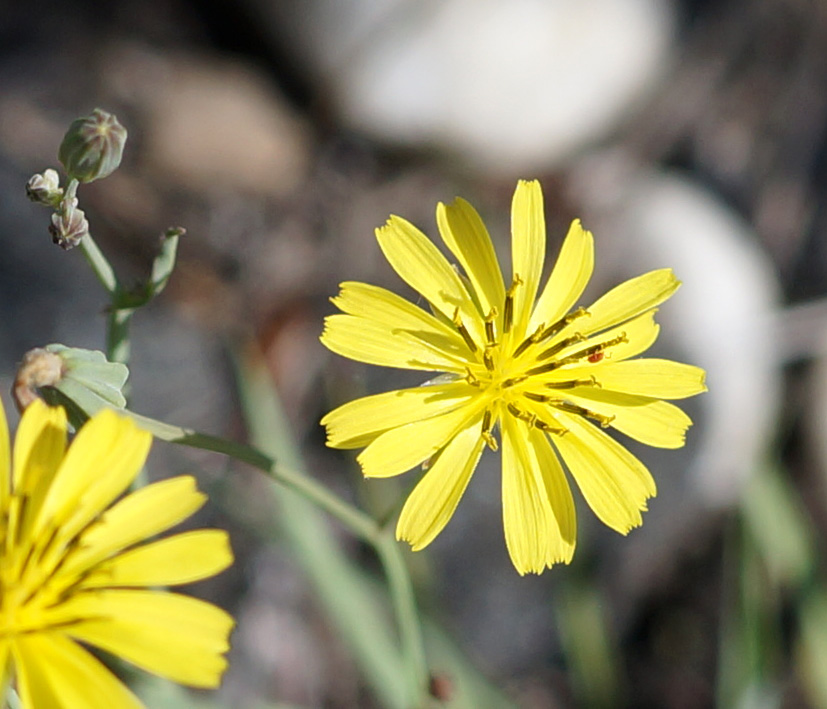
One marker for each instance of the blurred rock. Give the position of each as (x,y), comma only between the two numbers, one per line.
(723,319)
(211,123)
(510,87)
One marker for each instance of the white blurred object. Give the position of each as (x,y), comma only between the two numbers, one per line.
(724,317)
(510,86)
(815,421)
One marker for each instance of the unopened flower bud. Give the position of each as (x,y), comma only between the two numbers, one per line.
(69,224)
(93,146)
(39,368)
(83,376)
(45,188)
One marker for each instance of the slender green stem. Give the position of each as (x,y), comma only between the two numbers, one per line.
(353,519)
(269,428)
(118,347)
(117,323)
(404,603)
(100,265)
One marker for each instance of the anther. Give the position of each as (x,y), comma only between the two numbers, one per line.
(560,346)
(603,420)
(572,383)
(514,380)
(487,436)
(470,378)
(548,428)
(490,441)
(489,327)
(567,319)
(530,340)
(548,367)
(591,352)
(542,398)
(464,331)
(486,420)
(487,359)
(508,314)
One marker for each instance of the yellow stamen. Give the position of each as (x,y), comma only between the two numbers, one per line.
(458,324)
(572,383)
(508,314)
(489,327)
(560,346)
(563,405)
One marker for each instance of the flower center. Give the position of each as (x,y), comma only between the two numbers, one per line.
(526,378)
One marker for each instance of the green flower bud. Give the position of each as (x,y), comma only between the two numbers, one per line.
(69,224)
(45,189)
(65,375)
(93,146)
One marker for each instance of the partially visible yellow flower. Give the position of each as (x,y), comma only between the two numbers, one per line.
(549,378)
(73,568)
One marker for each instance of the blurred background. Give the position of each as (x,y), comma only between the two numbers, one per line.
(280,133)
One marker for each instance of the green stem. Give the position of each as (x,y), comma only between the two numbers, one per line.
(352,518)
(100,265)
(117,323)
(118,347)
(404,603)
(356,521)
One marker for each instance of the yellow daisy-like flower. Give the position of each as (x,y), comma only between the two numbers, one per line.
(548,377)
(73,569)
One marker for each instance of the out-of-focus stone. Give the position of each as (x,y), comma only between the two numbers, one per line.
(211,124)
(509,86)
(723,318)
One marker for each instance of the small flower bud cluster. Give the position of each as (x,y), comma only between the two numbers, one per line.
(45,189)
(69,224)
(91,149)
(93,146)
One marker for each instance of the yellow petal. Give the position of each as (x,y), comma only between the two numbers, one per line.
(101,463)
(568,279)
(140,515)
(563,534)
(39,447)
(650,421)
(374,303)
(629,299)
(54,672)
(385,345)
(615,484)
(528,248)
(659,378)
(435,498)
(173,636)
(533,533)
(358,422)
(404,447)
(464,233)
(183,558)
(423,267)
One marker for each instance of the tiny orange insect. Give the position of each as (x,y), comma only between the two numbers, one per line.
(595,357)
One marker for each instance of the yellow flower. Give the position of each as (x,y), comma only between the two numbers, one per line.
(72,569)
(548,377)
